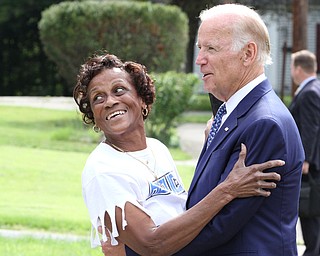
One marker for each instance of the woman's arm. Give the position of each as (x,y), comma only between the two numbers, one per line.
(145,238)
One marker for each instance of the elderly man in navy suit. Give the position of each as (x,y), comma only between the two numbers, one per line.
(234,47)
(305,109)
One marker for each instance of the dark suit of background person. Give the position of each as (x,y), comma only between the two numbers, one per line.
(305,109)
(253,226)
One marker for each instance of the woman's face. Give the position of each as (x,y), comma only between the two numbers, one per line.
(115,103)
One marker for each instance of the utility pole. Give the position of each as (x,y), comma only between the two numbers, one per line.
(299,30)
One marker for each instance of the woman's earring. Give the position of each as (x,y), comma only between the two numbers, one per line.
(96,129)
(145,112)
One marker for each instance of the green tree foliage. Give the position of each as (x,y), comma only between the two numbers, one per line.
(24,67)
(174,94)
(152,34)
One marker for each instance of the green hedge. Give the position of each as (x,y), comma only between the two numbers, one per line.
(201,102)
(153,34)
(174,94)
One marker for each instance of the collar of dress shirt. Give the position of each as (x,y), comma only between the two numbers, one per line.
(234,100)
(304,82)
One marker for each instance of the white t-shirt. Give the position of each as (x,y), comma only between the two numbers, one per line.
(111,178)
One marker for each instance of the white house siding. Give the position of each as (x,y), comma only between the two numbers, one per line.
(280,29)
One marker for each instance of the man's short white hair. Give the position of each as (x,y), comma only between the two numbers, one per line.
(248,26)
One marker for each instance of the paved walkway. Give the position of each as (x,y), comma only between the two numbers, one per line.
(41,235)
(40,102)
(191,140)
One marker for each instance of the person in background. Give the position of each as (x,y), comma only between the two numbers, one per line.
(131,187)
(234,47)
(305,109)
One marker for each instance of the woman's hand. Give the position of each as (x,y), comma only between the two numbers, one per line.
(252,181)
(111,250)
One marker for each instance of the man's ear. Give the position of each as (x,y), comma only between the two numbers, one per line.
(250,52)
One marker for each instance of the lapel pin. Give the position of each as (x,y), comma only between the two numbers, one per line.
(226,129)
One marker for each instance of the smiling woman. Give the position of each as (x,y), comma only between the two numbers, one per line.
(130,183)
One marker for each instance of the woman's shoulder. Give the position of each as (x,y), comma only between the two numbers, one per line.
(98,150)
(152,142)
(101,155)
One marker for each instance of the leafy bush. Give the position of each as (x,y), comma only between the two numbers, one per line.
(174,92)
(153,34)
(201,102)
(287,100)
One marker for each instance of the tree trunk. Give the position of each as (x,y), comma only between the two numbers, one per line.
(299,35)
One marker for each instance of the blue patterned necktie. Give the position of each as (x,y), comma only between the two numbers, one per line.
(216,123)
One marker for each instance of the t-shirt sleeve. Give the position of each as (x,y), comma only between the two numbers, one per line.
(103,193)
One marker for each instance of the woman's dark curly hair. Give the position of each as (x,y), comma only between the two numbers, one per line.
(95,65)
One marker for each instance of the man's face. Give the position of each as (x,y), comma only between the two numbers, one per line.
(221,67)
(295,73)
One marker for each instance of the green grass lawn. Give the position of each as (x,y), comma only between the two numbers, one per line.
(42,155)
(28,246)
(43,189)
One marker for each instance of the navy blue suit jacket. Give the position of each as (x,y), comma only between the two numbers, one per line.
(256,225)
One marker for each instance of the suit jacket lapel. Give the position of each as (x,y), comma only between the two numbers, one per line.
(228,127)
